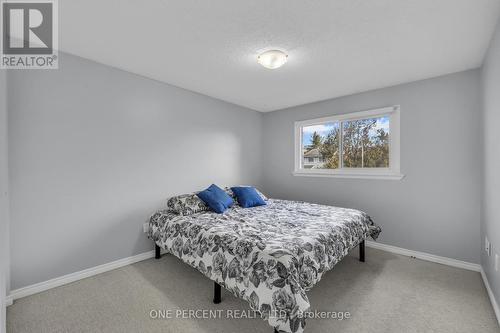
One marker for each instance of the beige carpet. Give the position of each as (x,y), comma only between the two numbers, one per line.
(388,293)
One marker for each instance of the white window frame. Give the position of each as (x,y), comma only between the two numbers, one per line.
(392,172)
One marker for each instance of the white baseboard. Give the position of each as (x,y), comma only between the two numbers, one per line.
(425,256)
(59,281)
(493,301)
(62,280)
(444,261)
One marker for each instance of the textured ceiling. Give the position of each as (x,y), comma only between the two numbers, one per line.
(335,47)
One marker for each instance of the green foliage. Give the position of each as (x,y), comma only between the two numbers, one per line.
(330,149)
(362,148)
(315,140)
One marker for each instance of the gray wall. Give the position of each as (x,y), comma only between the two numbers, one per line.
(93,151)
(490,225)
(4,200)
(436,207)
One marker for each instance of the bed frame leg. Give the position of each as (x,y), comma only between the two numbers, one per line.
(362,251)
(157,252)
(217,293)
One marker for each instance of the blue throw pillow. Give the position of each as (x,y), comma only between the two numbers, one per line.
(216,198)
(247,196)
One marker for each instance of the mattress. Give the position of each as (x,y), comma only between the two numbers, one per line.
(270,255)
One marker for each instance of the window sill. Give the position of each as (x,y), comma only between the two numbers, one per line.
(381,176)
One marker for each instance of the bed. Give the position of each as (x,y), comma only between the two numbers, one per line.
(270,255)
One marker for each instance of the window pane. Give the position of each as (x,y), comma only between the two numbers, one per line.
(366,143)
(320,146)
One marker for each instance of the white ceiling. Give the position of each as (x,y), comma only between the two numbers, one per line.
(335,47)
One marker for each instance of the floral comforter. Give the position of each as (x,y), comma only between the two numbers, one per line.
(268,255)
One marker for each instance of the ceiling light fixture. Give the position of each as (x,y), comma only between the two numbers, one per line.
(272,59)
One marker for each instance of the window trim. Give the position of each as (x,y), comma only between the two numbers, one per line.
(392,172)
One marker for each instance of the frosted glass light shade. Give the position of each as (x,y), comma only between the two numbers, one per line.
(272,59)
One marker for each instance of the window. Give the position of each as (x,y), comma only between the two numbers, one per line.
(358,145)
